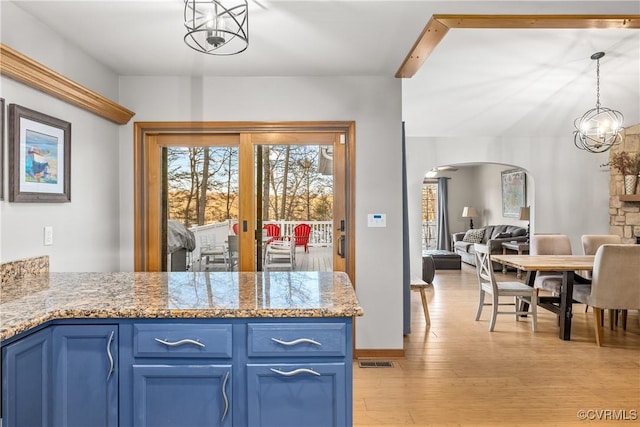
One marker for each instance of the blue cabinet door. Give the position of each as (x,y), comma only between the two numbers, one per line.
(292,395)
(85,375)
(26,385)
(182,395)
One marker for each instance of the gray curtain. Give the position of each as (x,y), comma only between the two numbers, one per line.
(444,237)
(406,266)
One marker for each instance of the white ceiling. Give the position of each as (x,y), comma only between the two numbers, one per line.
(476,82)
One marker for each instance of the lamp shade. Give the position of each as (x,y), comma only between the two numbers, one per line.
(469,212)
(524,213)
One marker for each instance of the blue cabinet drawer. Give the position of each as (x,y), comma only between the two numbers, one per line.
(284,395)
(296,340)
(181,340)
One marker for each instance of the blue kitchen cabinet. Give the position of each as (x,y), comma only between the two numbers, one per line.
(182,374)
(85,375)
(26,385)
(291,395)
(299,373)
(245,372)
(182,395)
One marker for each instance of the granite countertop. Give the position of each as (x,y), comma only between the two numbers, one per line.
(29,302)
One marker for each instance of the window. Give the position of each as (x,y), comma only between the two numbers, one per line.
(429,214)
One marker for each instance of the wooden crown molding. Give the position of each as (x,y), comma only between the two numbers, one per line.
(439,25)
(19,67)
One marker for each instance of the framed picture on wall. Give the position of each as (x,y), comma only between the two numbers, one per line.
(1,148)
(514,192)
(40,157)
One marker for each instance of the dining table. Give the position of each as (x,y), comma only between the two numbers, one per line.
(567,265)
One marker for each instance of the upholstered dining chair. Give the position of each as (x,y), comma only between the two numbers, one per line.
(549,244)
(488,285)
(614,283)
(591,243)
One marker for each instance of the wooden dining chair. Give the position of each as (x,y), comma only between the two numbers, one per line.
(614,283)
(488,285)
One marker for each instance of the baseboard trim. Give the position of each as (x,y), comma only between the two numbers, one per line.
(383,353)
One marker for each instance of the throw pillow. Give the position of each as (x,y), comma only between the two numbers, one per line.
(473,236)
(503,235)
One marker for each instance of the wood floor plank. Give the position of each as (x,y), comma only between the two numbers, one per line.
(457,373)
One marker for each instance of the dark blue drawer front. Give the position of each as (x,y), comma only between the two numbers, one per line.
(180,340)
(296,340)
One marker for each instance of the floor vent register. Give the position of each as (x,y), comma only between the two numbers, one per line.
(375,364)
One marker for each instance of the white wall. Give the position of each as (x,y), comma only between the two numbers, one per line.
(490,178)
(85,231)
(569,188)
(375,106)
(95,231)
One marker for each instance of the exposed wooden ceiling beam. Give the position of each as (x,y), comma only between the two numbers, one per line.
(439,25)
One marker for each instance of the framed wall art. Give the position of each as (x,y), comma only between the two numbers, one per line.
(39,157)
(1,148)
(514,192)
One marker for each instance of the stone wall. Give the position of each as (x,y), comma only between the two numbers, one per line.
(624,216)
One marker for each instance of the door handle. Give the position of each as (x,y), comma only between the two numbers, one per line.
(341,246)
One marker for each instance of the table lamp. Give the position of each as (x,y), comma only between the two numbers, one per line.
(469,212)
(524,216)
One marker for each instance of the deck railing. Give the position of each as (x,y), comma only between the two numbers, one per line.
(321,232)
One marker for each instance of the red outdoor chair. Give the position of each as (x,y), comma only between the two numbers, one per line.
(235,228)
(273,231)
(301,234)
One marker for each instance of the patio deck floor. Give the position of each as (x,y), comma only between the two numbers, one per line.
(319,258)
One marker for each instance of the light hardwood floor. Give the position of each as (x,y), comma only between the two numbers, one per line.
(457,373)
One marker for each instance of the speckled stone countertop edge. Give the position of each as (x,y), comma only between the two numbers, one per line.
(34,301)
(57,315)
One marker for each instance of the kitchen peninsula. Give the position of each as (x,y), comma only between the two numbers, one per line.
(175,349)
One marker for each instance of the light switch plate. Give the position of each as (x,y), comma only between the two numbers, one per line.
(48,236)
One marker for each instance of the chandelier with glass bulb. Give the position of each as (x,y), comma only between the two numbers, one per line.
(599,128)
(217,27)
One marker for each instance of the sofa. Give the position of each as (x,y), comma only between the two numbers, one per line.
(492,235)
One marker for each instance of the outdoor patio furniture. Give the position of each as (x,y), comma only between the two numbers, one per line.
(273,231)
(301,233)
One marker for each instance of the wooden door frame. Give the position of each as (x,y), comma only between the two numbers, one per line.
(146,142)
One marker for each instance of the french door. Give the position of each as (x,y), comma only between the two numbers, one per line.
(252,146)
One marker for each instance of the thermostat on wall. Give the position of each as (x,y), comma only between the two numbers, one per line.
(377,220)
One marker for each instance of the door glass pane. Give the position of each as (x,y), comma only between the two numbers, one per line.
(201,208)
(294,207)
(429,215)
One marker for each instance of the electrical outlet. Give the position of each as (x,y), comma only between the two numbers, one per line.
(48,235)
